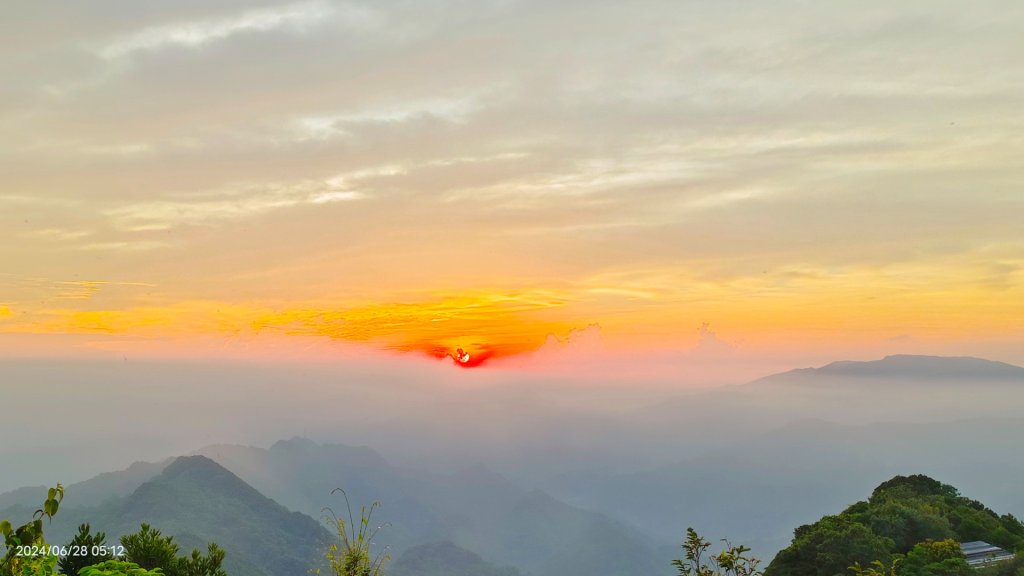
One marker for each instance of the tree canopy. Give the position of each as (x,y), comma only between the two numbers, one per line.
(910,526)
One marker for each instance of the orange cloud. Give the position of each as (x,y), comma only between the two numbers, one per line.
(471,329)
(638,310)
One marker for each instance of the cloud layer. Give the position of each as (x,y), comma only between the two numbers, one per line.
(848,169)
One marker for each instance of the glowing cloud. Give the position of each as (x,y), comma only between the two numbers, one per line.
(470,329)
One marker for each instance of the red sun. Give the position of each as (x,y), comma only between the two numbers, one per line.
(464,359)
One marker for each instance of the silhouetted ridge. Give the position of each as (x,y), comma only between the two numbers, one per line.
(197,500)
(201,465)
(910,367)
(446,559)
(299,447)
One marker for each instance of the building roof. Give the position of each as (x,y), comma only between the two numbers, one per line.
(978,553)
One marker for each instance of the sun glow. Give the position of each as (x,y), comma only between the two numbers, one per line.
(474,328)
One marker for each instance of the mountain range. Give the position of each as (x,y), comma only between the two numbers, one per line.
(748,462)
(909,367)
(476,511)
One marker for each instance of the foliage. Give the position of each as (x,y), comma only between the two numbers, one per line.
(30,534)
(45,565)
(936,511)
(150,549)
(908,522)
(931,558)
(877,568)
(733,561)
(829,547)
(199,565)
(352,554)
(910,526)
(118,568)
(92,547)
(199,501)
(1013,567)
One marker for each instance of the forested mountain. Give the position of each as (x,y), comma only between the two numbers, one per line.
(93,491)
(198,501)
(475,508)
(754,459)
(910,367)
(746,462)
(897,526)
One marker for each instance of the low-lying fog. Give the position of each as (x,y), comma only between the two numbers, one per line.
(749,461)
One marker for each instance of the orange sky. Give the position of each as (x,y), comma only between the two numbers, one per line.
(396,180)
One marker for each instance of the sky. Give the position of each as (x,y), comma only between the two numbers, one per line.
(701,185)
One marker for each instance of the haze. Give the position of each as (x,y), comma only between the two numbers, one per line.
(558,244)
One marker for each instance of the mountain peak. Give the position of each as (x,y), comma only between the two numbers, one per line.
(911,367)
(198,474)
(295,443)
(302,447)
(196,466)
(197,500)
(448,559)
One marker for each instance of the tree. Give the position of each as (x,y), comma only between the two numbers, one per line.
(829,547)
(733,561)
(909,522)
(934,558)
(917,485)
(151,550)
(904,528)
(118,568)
(15,562)
(199,565)
(877,568)
(89,549)
(352,554)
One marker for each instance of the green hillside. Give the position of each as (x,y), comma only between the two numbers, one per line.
(894,527)
(477,509)
(198,501)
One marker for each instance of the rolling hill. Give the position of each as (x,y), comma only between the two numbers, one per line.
(197,501)
(475,508)
(907,367)
(898,526)
(203,498)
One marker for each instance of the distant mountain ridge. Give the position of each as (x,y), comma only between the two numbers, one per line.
(804,469)
(489,520)
(446,559)
(91,492)
(911,367)
(199,501)
(475,508)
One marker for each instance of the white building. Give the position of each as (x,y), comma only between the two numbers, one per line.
(980,553)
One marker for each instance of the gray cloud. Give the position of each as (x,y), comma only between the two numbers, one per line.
(647,130)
